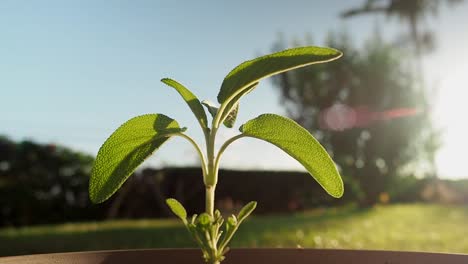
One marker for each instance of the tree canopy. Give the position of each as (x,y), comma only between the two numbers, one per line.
(366,110)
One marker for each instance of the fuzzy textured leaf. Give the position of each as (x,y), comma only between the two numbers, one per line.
(177,208)
(190,99)
(299,144)
(249,72)
(231,117)
(125,150)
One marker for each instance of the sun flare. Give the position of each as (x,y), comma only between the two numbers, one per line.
(450,117)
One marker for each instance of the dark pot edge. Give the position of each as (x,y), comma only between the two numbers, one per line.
(241,255)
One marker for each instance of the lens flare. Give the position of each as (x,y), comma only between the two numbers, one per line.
(340,117)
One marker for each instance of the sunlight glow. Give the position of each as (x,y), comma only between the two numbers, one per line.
(450,116)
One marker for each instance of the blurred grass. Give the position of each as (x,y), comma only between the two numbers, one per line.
(414,227)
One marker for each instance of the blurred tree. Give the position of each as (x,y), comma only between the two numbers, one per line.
(366,110)
(42,183)
(412,12)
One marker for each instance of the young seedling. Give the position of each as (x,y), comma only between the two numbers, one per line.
(139,137)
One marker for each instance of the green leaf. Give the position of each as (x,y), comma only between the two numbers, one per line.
(190,99)
(246,211)
(231,117)
(299,144)
(252,71)
(125,150)
(177,208)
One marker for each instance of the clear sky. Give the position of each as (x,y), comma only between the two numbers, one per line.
(73,71)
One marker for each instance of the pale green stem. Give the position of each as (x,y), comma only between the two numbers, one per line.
(209,202)
(227,238)
(200,153)
(217,119)
(211,176)
(223,148)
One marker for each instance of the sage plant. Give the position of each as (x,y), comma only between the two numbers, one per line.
(139,137)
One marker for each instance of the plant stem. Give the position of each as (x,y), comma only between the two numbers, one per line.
(211,176)
(197,148)
(209,202)
(210,180)
(223,148)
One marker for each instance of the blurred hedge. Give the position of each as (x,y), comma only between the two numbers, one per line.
(44,184)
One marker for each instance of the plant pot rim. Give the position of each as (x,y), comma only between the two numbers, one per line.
(241,255)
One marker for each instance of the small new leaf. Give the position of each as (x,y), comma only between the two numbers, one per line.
(204,219)
(211,107)
(231,110)
(299,144)
(232,220)
(177,208)
(246,211)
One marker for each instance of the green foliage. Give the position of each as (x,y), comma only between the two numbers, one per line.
(43,184)
(135,140)
(350,104)
(419,227)
(177,208)
(252,71)
(230,115)
(125,150)
(244,78)
(206,229)
(299,144)
(191,100)
(212,109)
(246,211)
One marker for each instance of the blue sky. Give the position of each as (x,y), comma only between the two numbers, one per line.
(73,71)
